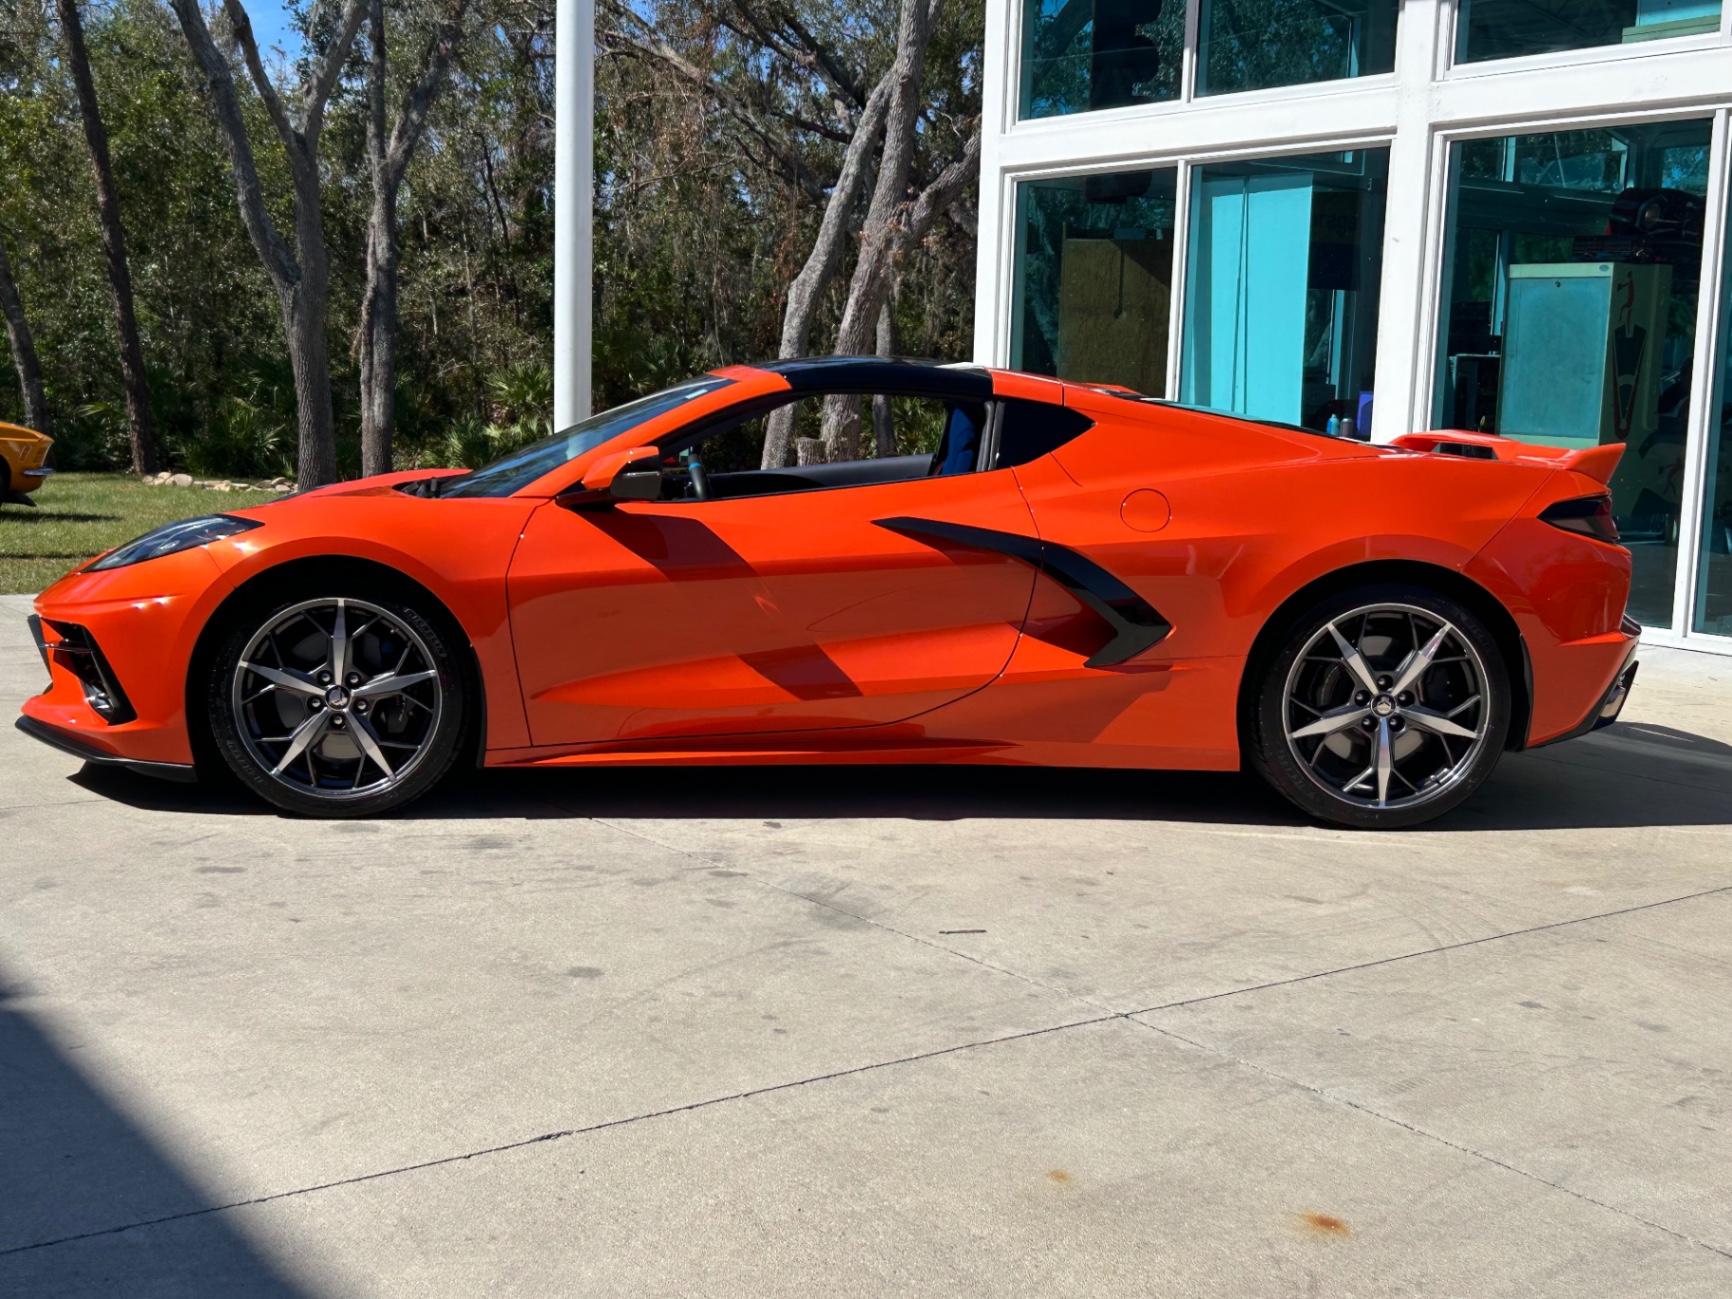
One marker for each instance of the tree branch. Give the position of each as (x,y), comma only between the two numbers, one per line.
(813,54)
(944,190)
(725,100)
(808,285)
(318,91)
(285,272)
(243,31)
(412,118)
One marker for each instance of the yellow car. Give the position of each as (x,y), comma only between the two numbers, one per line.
(24,463)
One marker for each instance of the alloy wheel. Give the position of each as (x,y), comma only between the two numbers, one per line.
(1387,706)
(337,698)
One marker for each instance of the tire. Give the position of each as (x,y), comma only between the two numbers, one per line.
(1380,707)
(341,702)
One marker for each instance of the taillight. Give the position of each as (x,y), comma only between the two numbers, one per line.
(1589,515)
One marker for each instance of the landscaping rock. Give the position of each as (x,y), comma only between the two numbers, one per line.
(181,480)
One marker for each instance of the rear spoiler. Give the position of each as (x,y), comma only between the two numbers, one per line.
(1596,462)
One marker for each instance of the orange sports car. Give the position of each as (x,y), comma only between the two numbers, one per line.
(25,463)
(970,566)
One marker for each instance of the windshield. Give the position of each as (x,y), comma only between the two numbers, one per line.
(520,468)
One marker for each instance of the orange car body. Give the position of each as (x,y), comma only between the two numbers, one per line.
(830,626)
(24,464)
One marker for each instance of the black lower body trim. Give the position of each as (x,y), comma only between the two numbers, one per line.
(55,738)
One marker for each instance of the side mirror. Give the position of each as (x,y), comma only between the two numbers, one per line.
(634,475)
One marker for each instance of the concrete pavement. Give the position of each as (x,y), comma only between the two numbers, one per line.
(777,1031)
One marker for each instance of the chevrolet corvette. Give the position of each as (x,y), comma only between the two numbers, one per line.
(971,566)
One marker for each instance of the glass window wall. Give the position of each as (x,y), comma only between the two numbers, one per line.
(1081,55)
(1285,263)
(1502,29)
(1572,271)
(1714,576)
(1255,44)
(1094,278)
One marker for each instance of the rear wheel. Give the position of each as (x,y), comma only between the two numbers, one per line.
(1382,707)
(337,705)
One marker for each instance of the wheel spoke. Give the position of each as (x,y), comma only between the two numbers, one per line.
(339,664)
(286,679)
(1328,723)
(304,735)
(362,730)
(1438,724)
(391,683)
(1419,661)
(1355,661)
(1463,706)
(1385,761)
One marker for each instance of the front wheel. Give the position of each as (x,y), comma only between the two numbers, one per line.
(1382,707)
(337,705)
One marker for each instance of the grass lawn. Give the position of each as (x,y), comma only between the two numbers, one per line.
(81,515)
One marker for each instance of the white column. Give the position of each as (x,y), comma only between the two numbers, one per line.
(1708,394)
(997,114)
(1406,306)
(573,208)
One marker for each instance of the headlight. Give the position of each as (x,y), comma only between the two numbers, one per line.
(174,537)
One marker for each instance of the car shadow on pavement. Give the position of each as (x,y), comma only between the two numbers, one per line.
(1629,776)
(76,1173)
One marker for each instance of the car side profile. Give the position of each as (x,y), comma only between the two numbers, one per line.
(988,567)
(26,461)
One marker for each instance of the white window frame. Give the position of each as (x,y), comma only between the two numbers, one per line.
(1417,112)
(1707,333)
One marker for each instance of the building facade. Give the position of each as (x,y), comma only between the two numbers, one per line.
(1376,216)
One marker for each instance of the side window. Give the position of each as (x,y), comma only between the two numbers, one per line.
(1028,430)
(828,440)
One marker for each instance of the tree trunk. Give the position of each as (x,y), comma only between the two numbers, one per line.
(378,333)
(867,289)
(883,418)
(304,304)
(304,328)
(880,249)
(814,277)
(304,310)
(301,278)
(23,348)
(379,343)
(387,160)
(138,425)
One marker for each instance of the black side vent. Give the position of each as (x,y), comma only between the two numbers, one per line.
(1136,624)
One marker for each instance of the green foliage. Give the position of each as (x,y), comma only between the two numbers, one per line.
(697,234)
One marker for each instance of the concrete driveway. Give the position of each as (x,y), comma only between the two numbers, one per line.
(855,1032)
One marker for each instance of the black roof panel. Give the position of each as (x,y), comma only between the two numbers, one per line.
(876,373)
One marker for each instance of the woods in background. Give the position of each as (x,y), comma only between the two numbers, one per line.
(412,142)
